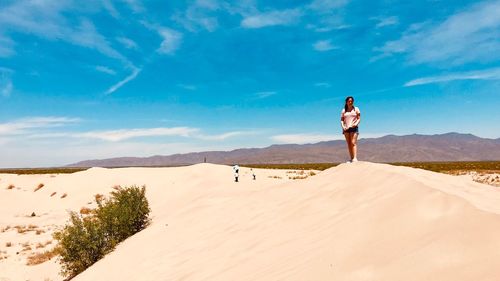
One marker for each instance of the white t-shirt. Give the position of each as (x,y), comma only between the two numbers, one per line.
(350,117)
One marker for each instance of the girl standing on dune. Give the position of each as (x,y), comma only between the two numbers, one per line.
(349,120)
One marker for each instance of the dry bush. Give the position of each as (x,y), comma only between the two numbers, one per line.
(11,186)
(98,197)
(53,193)
(40,185)
(64,195)
(5,228)
(116,187)
(39,231)
(8,244)
(311,173)
(21,228)
(274,177)
(298,178)
(39,258)
(42,245)
(85,211)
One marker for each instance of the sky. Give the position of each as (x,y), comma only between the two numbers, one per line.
(86,80)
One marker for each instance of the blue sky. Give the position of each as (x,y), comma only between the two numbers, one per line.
(96,79)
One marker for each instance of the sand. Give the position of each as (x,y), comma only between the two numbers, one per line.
(359,221)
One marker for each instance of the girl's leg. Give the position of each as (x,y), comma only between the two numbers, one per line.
(354,145)
(349,143)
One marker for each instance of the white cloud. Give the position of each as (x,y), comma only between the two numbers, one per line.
(22,126)
(47,19)
(119,135)
(198,15)
(488,74)
(6,46)
(224,135)
(467,36)
(324,6)
(324,45)
(266,94)
(305,138)
(171,40)
(323,85)
(387,21)
(127,43)
(105,69)
(108,5)
(284,17)
(135,6)
(127,79)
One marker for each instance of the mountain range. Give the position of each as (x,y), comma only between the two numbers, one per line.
(390,148)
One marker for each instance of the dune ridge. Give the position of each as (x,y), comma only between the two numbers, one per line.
(360,221)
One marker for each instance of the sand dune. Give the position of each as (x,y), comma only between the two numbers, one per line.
(360,221)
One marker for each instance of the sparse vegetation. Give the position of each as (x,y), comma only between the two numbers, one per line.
(8,244)
(304,166)
(274,177)
(39,187)
(64,195)
(53,193)
(36,171)
(11,186)
(86,239)
(39,258)
(85,211)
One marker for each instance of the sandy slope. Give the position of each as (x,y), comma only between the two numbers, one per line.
(359,221)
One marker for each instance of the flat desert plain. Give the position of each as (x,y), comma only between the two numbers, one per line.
(359,221)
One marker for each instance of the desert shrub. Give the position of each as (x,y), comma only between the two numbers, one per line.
(81,244)
(86,239)
(125,213)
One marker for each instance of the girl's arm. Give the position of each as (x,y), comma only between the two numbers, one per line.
(342,121)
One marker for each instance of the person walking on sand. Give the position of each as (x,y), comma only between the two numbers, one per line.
(349,120)
(236,170)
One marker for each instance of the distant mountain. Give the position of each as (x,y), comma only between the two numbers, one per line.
(390,148)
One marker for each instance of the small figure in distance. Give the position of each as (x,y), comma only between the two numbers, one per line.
(236,170)
(253,174)
(349,120)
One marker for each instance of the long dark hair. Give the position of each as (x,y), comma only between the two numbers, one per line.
(346,99)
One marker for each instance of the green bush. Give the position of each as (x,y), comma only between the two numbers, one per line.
(124,214)
(87,239)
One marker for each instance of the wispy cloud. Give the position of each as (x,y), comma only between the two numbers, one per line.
(108,5)
(324,45)
(21,125)
(488,74)
(119,135)
(6,85)
(386,21)
(199,15)
(323,85)
(6,46)
(46,19)
(263,95)
(105,69)
(127,79)
(283,17)
(135,5)
(305,138)
(187,87)
(224,136)
(325,6)
(127,43)
(171,40)
(467,36)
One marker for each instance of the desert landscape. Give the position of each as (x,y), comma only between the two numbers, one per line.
(357,221)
